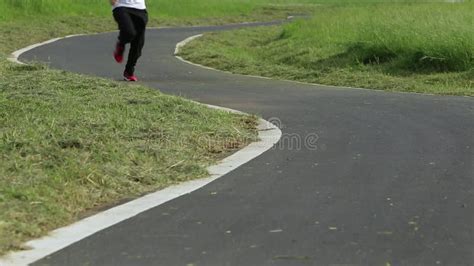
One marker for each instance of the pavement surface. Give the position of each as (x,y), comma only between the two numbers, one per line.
(360,177)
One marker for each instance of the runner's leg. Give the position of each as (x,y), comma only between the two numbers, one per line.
(140,19)
(126,25)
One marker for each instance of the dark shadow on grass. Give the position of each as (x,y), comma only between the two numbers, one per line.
(403,64)
(34,66)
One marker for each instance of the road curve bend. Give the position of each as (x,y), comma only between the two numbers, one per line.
(360,177)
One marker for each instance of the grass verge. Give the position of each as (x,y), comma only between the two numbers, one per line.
(70,144)
(426,48)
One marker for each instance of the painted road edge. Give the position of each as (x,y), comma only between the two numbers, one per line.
(268,136)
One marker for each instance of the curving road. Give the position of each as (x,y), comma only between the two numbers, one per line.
(390,179)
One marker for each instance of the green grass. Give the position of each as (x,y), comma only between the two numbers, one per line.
(181,9)
(424,48)
(164,11)
(70,144)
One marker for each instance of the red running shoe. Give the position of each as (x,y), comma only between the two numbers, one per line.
(118,52)
(129,77)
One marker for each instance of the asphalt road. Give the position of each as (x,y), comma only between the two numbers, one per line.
(389,179)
